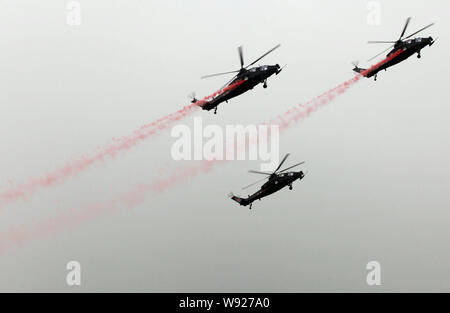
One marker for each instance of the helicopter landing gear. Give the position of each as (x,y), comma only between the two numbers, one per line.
(265,84)
(375,77)
(418,55)
(250,206)
(215,110)
(290,187)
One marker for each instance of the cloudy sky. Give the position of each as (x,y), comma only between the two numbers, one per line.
(377,156)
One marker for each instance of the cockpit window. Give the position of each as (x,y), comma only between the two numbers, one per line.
(253,70)
(263,68)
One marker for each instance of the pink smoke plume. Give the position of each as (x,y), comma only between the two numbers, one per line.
(18,236)
(302,111)
(111,150)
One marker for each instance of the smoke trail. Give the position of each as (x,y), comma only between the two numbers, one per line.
(20,235)
(119,144)
(301,111)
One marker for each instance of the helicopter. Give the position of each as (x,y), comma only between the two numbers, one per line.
(402,49)
(276,181)
(250,77)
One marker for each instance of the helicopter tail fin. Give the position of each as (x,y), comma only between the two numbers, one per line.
(356,68)
(241,201)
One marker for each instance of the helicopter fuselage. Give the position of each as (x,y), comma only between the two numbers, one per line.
(274,184)
(251,78)
(407,48)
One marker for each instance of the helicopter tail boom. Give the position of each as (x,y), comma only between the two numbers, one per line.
(241,201)
(358,69)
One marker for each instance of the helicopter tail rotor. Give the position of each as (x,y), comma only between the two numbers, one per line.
(191,96)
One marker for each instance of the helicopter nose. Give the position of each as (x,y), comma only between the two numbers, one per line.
(430,40)
(277,68)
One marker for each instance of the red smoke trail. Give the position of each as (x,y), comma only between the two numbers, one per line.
(111,150)
(19,235)
(171,117)
(382,62)
(302,111)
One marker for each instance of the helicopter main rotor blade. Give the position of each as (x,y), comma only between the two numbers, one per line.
(228,82)
(377,41)
(419,30)
(218,74)
(241,56)
(258,172)
(404,28)
(281,163)
(380,53)
(288,168)
(277,46)
(258,181)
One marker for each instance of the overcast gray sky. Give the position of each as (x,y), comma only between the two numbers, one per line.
(377,156)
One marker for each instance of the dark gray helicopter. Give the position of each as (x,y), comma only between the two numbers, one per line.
(276,181)
(250,77)
(403,48)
